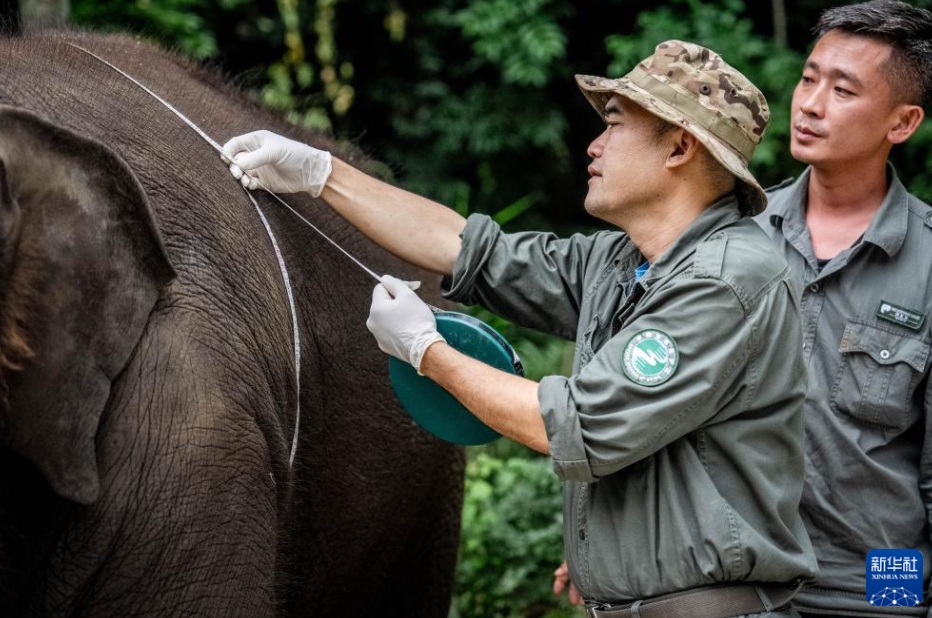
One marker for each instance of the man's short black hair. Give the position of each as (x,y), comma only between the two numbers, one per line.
(908,31)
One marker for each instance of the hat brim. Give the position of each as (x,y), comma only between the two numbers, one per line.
(598,90)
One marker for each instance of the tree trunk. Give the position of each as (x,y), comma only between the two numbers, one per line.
(779,21)
(44,12)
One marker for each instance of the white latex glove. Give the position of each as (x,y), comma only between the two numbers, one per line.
(402,323)
(266,159)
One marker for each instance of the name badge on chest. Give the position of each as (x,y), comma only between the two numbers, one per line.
(910,318)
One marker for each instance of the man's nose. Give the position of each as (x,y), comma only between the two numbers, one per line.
(595,146)
(812,102)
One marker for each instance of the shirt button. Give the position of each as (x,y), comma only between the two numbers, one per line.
(814,287)
(885,354)
(582,535)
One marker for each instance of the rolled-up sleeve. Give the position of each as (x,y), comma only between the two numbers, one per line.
(564,434)
(532,278)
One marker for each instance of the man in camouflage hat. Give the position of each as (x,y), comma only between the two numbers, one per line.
(678,434)
(692,87)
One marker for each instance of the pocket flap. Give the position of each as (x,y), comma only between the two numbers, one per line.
(884,345)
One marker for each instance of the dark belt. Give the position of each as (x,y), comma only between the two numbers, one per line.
(711,602)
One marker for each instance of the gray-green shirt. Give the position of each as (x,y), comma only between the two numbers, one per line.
(679,434)
(867,337)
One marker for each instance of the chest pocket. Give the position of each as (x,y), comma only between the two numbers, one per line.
(879,372)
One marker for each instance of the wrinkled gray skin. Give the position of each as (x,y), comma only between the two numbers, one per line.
(144,459)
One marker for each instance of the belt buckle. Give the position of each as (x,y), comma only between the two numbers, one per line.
(595,611)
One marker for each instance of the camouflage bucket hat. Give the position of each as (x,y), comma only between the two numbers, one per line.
(692,87)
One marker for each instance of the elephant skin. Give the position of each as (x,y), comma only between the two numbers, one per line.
(148,387)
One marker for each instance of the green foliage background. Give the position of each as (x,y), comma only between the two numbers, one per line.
(473,103)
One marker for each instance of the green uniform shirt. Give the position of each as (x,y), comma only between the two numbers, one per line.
(867,337)
(679,434)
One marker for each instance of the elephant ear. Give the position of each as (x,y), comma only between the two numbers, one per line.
(81,268)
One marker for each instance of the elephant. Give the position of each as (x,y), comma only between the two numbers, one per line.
(149,383)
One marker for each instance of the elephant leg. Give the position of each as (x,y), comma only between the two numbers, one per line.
(433,553)
(379,512)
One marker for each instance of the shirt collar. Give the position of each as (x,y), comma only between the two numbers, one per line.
(721,214)
(887,228)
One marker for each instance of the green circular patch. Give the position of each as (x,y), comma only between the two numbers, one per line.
(650,357)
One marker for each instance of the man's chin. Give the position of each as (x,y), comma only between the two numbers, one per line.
(802,154)
(594,210)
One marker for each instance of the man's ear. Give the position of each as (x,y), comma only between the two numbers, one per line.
(683,147)
(908,118)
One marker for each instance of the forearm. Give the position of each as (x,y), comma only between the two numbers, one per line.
(505,402)
(414,228)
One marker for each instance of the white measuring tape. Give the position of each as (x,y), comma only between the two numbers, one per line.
(430,406)
(268,229)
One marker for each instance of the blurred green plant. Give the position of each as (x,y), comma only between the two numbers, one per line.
(478,104)
(512,540)
(915,155)
(179,21)
(473,100)
(520,38)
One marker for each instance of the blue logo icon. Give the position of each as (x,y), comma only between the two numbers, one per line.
(894,577)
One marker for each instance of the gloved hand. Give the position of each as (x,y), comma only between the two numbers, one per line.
(278,163)
(402,323)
